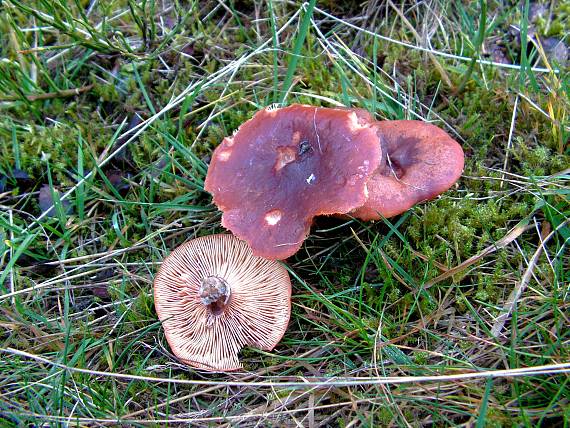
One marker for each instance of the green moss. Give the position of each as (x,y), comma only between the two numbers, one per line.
(557,23)
(421,357)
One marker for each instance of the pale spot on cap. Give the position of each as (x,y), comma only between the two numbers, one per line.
(224,155)
(285,155)
(273,217)
(355,124)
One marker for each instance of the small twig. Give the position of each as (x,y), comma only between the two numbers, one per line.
(299,382)
(513,234)
(316,131)
(12,286)
(49,95)
(398,179)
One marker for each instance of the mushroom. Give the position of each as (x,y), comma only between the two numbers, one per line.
(422,161)
(285,166)
(213,297)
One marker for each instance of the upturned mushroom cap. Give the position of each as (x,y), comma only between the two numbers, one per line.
(213,297)
(285,166)
(422,161)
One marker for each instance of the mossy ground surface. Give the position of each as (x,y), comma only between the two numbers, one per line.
(110,111)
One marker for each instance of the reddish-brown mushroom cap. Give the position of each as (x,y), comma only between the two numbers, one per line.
(213,297)
(285,166)
(422,161)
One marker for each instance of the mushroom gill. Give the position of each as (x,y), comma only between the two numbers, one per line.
(213,297)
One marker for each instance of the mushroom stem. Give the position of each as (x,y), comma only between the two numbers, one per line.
(214,293)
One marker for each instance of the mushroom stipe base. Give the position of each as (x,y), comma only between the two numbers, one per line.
(214,294)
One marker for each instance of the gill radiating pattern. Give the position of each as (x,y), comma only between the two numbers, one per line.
(256,314)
